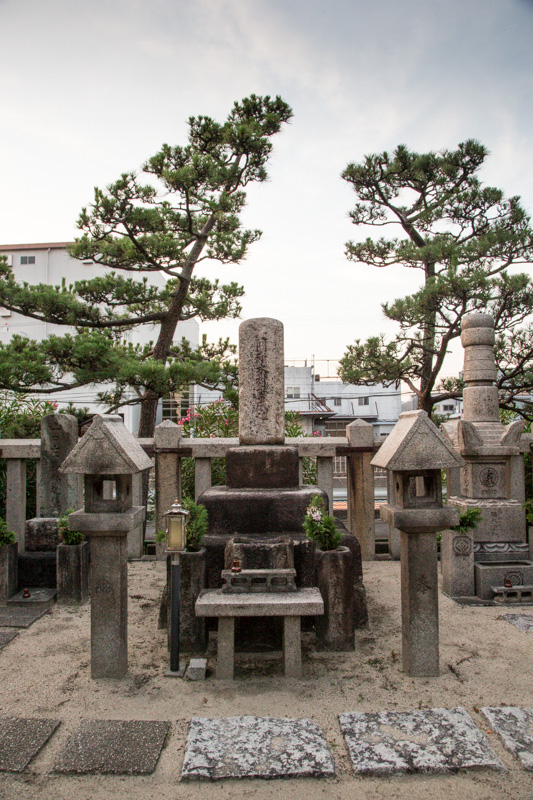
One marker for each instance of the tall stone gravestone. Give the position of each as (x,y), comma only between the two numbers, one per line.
(57,494)
(480,562)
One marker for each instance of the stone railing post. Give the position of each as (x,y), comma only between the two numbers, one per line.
(360,487)
(202,476)
(167,470)
(16,500)
(325,478)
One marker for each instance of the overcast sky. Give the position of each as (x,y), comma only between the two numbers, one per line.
(91,89)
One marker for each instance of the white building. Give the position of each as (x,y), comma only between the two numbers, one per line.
(49,263)
(327,407)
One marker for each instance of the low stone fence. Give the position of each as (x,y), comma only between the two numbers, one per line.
(168,448)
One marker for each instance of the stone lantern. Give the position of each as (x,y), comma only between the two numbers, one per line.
(108,456)
(415,452)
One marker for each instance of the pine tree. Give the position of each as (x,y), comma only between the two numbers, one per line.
(463,237)
(183,210)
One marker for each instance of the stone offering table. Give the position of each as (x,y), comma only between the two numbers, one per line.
(290,605)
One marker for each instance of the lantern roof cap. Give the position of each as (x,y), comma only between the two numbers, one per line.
(415,443)
(108,448)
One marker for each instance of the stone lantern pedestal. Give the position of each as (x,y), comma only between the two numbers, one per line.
(415,453)
(108,456)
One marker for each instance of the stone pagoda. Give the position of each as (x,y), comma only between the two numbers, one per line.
(491,561)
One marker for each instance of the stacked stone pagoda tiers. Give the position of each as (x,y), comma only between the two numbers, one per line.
(262,492)
(262,497)
(476,562)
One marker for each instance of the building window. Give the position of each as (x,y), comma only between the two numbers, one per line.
(363,401)
(336,401)
(448,407)
(293,392)
(27,259)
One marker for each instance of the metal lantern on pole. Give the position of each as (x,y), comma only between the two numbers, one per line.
(176,519)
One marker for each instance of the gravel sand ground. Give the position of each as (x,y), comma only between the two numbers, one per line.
(484,660)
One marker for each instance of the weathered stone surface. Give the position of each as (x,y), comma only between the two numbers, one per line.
(42,534)
(258,580)
(8,570)
(335,579)
(6,637)
(420,613)
(266,553)
(58,492)
(251,511)
(255,747)
(196,669)
(192,583)
(415,444)
(20,616)
(524,622)
(501,520)
(94,524)
(16,499)
(515,726)
(457,558)
(216,603)
(108,448)
(436,740)
(21,740)
(37,569)
(114,747)
(261,382)
(419,520)
(487,575)
(109,607)
(73,574)
(262,466)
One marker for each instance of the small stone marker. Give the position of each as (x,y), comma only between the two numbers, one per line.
(59,435)
(515,726)
(20,616)
(196,669)
(21,740)
(114,747)
(524,622)
(436,740)
(256,747)
(6,637)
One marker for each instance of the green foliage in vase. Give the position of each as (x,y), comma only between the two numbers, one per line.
(196,525)
(67,536)
(320,527)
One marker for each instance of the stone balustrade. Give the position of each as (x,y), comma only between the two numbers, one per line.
(168,448)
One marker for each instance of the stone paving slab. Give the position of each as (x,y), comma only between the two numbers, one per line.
(255,747)
(6,637)
(433,740)
(515,727)
(114,747)
(524,622)
(20,616)
(21,740)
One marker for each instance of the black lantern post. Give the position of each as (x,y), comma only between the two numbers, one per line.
(176,518)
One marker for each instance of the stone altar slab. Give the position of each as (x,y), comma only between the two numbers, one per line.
(433,740)
(515,727)
(21,740)
(114,747)
(255,747)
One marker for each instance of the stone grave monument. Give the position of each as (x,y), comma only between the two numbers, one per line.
(263,499)
(490,562)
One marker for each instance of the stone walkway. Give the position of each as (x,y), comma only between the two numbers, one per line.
(380,743)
